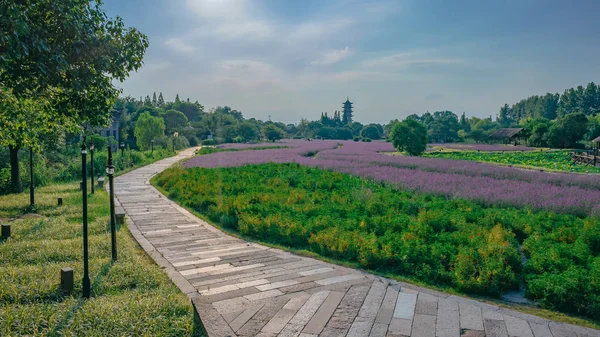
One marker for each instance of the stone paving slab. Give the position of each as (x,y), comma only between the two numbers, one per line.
(245,289)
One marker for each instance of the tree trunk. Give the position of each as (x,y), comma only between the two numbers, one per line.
(14,169)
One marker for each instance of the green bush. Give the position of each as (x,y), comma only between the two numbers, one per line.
(458,243)
(209,142)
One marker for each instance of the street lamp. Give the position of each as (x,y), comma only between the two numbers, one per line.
(152,141)
(92,166)
(31,191)
(110,172)
(122,147)
(86,276)
(174,136)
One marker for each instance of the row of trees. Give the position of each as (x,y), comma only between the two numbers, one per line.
(144,120)
(551,106)
(59,60)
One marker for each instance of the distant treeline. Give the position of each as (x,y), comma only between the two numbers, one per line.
(551,106)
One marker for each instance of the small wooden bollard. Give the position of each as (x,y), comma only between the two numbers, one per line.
(5,231)
(59,201)
(66,279)
(100,182)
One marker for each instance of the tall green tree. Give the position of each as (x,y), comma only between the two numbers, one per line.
(174,120)
(410,136)
(370,131)
(68,52)
(161,101)
(272,132)
(154,100)
(148,128)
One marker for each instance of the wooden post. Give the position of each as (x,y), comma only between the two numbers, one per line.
(59,201)
(66,280)
(5,231)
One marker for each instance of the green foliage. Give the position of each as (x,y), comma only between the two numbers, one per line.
(131,297)
(567,130)
(181,142)
(42,53)
(409,136)
(148,128)
(272,132)
(553,160)
(455,242)
(174,120)
(370,131)
(209,142)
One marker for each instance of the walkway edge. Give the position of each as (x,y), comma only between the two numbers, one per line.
(206,318)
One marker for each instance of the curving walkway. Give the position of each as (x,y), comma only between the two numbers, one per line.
(245,289)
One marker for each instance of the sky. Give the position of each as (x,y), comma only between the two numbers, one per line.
(293,59)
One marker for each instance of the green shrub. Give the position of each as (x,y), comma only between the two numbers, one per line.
(208,142)
(458,243)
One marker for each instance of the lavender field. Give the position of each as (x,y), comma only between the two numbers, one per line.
(486,183)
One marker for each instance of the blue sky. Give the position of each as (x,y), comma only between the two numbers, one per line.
(291,59)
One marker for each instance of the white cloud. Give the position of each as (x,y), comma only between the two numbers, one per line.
(332,56)
(406,60)
(179,45)
(317,29)
(219,9)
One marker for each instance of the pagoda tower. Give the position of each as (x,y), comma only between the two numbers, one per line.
(347,115)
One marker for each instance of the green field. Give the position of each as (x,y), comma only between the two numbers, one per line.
(448,243)
(132,297)
(549,160)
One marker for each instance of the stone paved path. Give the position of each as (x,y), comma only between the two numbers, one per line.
(245,289)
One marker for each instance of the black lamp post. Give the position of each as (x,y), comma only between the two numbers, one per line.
(31,191)
(110,172)
(122,147)
(86,276)
(152,141)
(92,167)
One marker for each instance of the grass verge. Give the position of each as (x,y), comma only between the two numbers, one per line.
(131,297)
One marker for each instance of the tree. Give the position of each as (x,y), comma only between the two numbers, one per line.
(161,101)
(174,120)
(370,131)
(504,118)
(248,131)
(464,124)
(154,100)
(43,56)
(272,132)
(409,136)
(148,128)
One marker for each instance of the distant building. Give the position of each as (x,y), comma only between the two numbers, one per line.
(347,112)
(508,135)
(113,129)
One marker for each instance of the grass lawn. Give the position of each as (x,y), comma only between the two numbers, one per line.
(132,297)
(549,160)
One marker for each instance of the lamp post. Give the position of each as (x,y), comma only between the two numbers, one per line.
(92,166)
(110,172)
(152,141)
(122,147)
(174,136)
(31,191)
(86,276)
